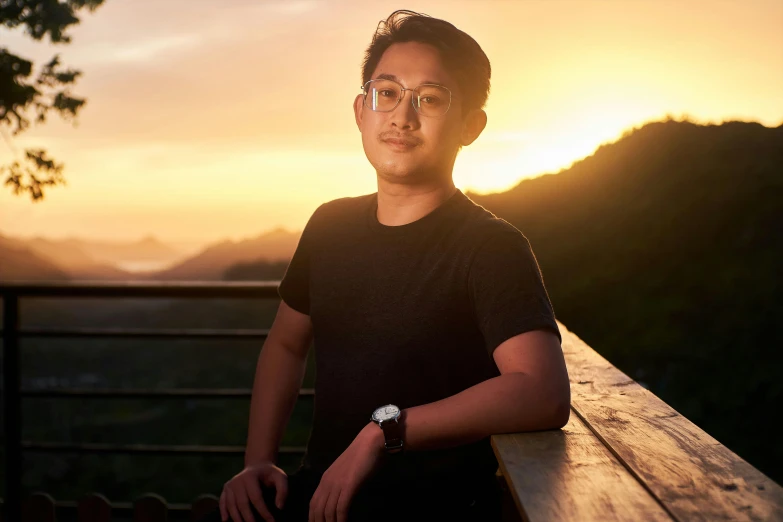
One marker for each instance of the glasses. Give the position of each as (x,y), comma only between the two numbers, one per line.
(428,99)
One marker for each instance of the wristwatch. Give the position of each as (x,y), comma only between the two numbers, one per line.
(389,419)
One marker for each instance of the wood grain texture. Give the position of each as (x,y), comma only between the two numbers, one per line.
(568,475)
(692,475)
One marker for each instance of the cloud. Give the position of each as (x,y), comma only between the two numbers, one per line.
(144,50)
(294,7)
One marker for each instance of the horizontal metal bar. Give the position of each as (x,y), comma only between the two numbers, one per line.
(145,449)
(163,333)
(125,289)
(69,508)
(170,393)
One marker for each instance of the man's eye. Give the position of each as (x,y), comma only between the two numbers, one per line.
(430,100)
(388,93)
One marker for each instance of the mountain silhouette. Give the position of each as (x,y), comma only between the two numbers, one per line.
(75,258)
(81,259)
(663,252)
(19,262)
(72,257)
(213,262)
(108,252)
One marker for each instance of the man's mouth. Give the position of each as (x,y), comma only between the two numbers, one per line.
(400,143)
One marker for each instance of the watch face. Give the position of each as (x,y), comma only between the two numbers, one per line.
(385,412)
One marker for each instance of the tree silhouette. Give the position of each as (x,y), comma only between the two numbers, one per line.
(24,97)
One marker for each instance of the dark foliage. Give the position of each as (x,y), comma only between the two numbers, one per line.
(23,98)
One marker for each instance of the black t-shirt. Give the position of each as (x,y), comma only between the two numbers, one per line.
(409,315)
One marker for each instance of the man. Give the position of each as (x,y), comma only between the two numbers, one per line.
(427,312)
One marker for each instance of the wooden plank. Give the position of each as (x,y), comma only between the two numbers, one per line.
(692,475)
(568,474)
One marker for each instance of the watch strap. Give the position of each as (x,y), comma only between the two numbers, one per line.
(393,435)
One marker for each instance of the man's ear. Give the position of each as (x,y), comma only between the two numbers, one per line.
(358,109)
(472,126)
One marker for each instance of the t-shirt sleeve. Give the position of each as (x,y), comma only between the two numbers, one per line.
(294,288)
(507,290)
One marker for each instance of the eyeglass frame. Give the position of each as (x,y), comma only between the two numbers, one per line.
(402,95)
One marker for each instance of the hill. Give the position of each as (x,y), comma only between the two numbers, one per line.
(663,252)
(213,262)
(264,256)
(72,257)
(91,259)
(19,263)
(65,257)
(118,252)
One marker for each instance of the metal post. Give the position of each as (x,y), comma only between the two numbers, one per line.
(12,408)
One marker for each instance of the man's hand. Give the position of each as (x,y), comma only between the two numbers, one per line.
(244,489)
(340,482)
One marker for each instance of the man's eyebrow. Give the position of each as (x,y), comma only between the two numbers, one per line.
(386,76)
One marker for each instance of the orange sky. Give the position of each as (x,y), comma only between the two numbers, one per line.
(194,130)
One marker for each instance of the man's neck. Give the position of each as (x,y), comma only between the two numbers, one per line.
(403,204)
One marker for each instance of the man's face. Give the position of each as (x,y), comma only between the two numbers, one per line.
(403,145)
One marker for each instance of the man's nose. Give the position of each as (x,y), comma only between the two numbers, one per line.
(404,114)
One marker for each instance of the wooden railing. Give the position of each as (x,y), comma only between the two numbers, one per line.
(624,454)
(627,455)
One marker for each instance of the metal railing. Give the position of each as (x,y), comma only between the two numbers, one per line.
(13,292)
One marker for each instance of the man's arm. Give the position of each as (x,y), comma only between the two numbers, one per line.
(278,378)
(532,393)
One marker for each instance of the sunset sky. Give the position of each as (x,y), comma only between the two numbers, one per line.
(196,128)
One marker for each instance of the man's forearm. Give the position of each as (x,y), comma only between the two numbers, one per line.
(278,378)
(509,403)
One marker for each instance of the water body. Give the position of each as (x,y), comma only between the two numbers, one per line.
(143,266)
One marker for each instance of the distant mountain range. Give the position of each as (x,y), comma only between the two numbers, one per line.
(41,259)
(213,262)
(146,249)
(76,258)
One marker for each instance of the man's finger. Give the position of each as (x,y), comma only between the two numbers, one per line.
(330,509)
(222,505)
(243,503)
(343,503)
(281,490)
(256,496)
(232,506)
(317,506)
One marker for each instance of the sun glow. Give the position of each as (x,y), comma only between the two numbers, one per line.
(504,158)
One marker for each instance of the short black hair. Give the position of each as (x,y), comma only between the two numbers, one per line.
(461,54)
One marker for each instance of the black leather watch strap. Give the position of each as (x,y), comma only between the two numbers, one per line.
(393,435)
